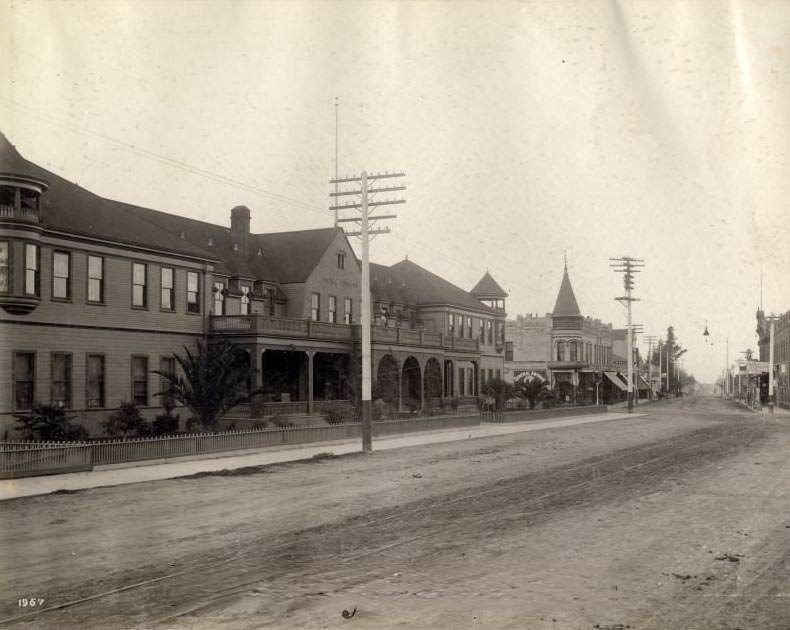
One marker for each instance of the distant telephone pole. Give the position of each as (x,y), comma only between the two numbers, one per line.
(651,339)
(628,266)
(365,200)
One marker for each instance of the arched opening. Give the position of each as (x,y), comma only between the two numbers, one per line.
(386,386)
(411,385)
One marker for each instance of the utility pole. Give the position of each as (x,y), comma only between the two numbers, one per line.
(366,196)
(651,339)
(771,380)
(629,266)
(727,367)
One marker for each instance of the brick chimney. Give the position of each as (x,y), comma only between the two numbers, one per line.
(240,228)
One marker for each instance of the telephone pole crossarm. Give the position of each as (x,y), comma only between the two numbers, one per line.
(361,216)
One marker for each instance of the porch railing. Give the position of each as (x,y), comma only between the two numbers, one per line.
(266,325)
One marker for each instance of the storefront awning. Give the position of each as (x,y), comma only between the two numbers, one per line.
(612,376)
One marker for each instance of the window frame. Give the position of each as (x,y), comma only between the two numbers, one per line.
(67,278)
(8,269)
(331,310)
(133,382)
(171,290)
(315,306)
(100,280)
(103,383)
(144,285)
(68,379)
(218,297)
(196,309)
(245,300)
(16,380)
(348,310)
(341,260)
(36,271)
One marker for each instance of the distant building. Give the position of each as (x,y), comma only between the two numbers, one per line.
(574,352)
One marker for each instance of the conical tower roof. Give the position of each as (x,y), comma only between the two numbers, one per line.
(487,287)
(566,304)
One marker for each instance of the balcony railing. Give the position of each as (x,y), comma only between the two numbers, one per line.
(25,214)
(269,326)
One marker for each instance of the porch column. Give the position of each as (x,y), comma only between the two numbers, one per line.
(400,387)
(258,352)
(422,386)
(310,354)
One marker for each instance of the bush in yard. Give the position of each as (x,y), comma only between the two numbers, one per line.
(126,422)
(48,423)
(165,424)
(260,424)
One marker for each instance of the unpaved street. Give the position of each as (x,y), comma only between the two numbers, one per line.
(679,519)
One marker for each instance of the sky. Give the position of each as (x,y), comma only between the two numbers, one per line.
(527,131)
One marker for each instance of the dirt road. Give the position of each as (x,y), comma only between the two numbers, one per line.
(679,519)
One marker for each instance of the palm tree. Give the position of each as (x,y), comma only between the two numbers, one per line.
(214,378)
(533,387)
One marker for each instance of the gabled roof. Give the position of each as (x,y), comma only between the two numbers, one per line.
(408,283)
(487,287)
(566,304)
(285,256)
(70,208)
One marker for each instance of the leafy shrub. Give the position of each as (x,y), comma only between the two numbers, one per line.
(165,424)
(260,424)
(49,423)
(126,422)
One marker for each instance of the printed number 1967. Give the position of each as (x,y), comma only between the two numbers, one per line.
(30,602)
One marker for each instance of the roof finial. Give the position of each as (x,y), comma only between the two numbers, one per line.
(565,258)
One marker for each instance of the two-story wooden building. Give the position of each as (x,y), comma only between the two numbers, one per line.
(95,294)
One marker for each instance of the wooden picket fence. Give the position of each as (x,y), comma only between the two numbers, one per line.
(23,459)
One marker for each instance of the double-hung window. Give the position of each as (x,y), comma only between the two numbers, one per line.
(61,379)
(332,309)
(5,267)
(95,279)
(139,285)
(315,307)
(219,298)
(24,379)
(32,286)
(61,275)
(193,292)
(140,380)
(168,291)
(245,300)
(95,380)
(347,310)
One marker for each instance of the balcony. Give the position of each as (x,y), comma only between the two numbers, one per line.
(30,215)
(269,326)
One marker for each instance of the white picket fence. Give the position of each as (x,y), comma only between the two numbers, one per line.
(22,459)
